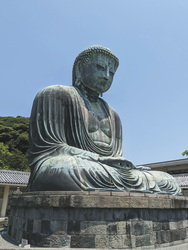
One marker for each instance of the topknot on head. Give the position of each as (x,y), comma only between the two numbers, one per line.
(85,55)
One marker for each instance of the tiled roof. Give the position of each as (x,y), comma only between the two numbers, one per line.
(167,163)
(182,179)
(14,177)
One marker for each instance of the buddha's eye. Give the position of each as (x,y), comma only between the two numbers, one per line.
(100,67)
(111,73)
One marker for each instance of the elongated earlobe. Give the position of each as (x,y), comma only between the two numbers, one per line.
(78,79)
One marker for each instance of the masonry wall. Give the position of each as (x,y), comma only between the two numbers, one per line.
(99,219)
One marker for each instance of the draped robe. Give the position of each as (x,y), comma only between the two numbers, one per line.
(63,156)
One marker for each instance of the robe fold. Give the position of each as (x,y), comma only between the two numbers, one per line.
(64,157)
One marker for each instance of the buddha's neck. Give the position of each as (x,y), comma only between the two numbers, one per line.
(90,94)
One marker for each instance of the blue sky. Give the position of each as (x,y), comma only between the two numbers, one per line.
(39,40)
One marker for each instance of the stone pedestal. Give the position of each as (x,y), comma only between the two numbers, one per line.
(98,219)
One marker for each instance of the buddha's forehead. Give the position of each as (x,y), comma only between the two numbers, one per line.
(102,58)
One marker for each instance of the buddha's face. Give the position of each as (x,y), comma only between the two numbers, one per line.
(98,73)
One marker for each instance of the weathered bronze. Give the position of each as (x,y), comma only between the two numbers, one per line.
(76,137)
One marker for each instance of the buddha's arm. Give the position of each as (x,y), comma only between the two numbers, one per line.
(73,151)
(53,126)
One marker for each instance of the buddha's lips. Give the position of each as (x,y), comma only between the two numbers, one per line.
(103,82)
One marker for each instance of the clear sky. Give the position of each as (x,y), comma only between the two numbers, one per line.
(39,40)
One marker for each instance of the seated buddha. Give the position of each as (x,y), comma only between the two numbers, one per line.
(76,137)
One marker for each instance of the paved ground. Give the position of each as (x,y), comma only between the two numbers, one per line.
(7,243)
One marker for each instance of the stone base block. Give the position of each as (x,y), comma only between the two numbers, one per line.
(120,220)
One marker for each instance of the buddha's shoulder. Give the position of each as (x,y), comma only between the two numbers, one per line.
(56,90)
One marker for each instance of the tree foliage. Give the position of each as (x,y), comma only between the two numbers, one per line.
(5,156)
(14,143)
(185,153)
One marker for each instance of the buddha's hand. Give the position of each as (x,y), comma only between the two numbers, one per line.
(118,162)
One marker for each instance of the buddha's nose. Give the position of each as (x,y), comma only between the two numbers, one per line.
(107,74)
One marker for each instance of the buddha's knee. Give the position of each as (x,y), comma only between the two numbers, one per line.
(54,174)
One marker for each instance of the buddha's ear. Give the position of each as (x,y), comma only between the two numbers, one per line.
(78,79)
(78,70)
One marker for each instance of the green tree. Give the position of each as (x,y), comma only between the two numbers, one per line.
(18,161)
(14,139)
(185,153)
(5,156)
(22,142)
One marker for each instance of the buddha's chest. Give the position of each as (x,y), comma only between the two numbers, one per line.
(97,122)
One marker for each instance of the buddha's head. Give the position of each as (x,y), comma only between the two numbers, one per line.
(94,69)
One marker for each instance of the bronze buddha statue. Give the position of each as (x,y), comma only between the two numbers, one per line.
(76,137)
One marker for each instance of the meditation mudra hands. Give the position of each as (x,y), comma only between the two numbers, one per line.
(120,162)
(117,162)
